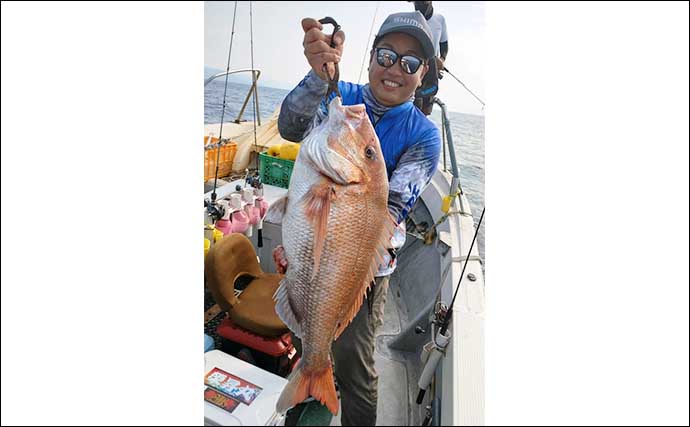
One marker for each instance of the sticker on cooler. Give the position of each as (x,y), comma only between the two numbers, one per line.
(233,386)
(219,399)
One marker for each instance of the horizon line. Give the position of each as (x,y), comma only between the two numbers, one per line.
(291,88)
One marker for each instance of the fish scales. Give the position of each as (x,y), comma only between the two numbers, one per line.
(336,226)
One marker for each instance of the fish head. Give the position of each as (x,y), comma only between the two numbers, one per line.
(345,147)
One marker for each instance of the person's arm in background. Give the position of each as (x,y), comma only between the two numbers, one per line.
(299,111)
(443,41)
(444,50)
(443,46)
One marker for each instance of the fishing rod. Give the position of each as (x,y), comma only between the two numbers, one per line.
(222,113)
(254,94)
(463,85)
(441,339)
(366,48)
(449,312)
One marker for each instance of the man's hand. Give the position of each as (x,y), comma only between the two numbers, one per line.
(318,50)
(279,259)
(439,66)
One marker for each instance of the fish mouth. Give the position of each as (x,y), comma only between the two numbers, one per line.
(339,162)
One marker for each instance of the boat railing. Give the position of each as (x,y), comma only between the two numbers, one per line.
(448,144)
(253,89)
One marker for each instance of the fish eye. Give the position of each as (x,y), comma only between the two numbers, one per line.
(369,152)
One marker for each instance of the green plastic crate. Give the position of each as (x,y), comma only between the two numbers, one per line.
(275,171)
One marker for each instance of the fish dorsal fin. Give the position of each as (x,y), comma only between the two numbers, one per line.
(317,207)
(381,250)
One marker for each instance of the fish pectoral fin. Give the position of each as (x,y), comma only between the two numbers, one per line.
(276,211)
(317,207)
(284,309)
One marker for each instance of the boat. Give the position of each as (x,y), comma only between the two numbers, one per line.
(429,351)
(439,243)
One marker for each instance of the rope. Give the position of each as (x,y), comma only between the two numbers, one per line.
(366,48)
(222,113)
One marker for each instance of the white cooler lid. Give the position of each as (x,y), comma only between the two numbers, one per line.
(248,393)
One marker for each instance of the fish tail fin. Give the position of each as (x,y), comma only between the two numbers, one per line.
(296,390)
(323,389)
(319,385)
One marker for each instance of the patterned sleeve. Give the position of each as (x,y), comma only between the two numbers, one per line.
(413,173)
(303,109)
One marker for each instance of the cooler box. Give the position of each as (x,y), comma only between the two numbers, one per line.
(237,393)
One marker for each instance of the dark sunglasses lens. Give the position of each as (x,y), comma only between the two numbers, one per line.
(410,64)
(386,57)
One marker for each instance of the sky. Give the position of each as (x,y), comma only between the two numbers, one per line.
(278,51)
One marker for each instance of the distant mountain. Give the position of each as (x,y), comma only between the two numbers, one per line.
(246,78)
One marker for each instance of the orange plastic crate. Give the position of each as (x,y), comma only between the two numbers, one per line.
(227,155)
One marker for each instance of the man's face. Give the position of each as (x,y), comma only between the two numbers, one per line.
(392,86)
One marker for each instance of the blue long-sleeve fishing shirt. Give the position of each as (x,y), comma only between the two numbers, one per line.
(410,142)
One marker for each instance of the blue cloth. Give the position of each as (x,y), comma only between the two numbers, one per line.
(208,343)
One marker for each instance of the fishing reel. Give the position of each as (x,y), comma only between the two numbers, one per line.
(436,321)
(436,318)
(214,210)
(434,350)
(254,180)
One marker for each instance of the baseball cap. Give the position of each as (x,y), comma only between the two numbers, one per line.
(411,23)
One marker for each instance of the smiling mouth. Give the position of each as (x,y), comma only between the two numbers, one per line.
(391,84)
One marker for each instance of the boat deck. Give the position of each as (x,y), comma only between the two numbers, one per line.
(398,370)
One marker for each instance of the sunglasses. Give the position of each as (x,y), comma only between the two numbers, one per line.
(387,57)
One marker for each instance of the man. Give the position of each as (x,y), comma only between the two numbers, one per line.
(411,146)
(424,97)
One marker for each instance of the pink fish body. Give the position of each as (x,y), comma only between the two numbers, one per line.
(336,227)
